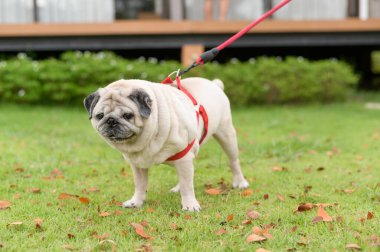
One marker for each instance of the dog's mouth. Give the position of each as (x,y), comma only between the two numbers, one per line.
(117,139)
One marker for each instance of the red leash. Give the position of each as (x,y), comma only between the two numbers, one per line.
(211,54)
(202,59)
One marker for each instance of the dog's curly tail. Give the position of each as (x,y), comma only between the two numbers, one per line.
(219,83)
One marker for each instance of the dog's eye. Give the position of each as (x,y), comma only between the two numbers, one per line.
(128,116)
(99,116)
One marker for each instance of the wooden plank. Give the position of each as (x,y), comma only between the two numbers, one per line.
(164,27)
(190,52)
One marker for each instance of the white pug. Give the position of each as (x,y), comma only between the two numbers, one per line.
(150,122)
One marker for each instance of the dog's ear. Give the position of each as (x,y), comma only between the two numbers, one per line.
(90,103)
(143,102)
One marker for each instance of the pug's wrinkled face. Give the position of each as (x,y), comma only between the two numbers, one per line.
(117,115)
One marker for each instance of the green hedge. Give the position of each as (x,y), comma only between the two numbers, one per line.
(264,80)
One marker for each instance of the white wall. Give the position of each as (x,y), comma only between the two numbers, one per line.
(16,11)
(238,9)
(312,10)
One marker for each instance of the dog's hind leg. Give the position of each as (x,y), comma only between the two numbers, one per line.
(226,136)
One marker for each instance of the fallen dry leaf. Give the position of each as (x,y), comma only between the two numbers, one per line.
(317,219)
(118,212)
(246,222)
(325,216)
(304,207)
(101,237)
(247,192)
(370,215)
(293,229)
(255,238)
(68,247)
(280,197)
(70,236)
(104,214)
(262,250)
(63,196)
(213,191)
(139,229)
(34,190)
(266,196)
(84,200)
(279,168)
(16,223)
(230,217)
(253,214)
(353,246)
(38,223)
(221,231)
(4,204)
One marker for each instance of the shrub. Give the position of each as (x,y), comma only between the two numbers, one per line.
(264,80)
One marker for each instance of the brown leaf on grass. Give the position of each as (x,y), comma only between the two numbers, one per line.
(280,197)
(304,207)
(370,215)
(230,217)
(253,214)
(38,223)
(68,247)
(262,250)
(56,173)
(293,229)
(375,240)
(279,168)
(175,227)
(16,223)
(317,219)
(322,213)
(104,214)
(100,237)
(118,212)
(93,189)
(213,191)
(34,190)
(353,246)
(70,236)
(221,231)
(64,196)
(247,192)
(139,229)
(266,196)
(188,217)
(255,238)
(4,204)
(19,170)
(150,210)
(246,222)
(84,200)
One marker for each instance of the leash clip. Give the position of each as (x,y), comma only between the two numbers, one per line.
(177,72)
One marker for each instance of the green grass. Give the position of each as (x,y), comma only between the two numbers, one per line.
(39,139)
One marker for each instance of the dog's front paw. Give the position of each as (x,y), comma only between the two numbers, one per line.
(132,203)
(191,205)
(241,184)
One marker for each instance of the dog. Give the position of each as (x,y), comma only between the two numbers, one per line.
(150,122)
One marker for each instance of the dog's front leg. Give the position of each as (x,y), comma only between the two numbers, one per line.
(141,184)
(185,171)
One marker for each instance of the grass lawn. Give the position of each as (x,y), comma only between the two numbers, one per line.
(291,155)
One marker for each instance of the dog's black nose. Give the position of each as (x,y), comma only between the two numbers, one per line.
(111,121)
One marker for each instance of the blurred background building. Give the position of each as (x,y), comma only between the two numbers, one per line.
(348,29)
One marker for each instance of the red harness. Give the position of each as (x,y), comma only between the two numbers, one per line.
(201,112)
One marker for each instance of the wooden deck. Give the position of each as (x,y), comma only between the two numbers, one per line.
(159,27)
